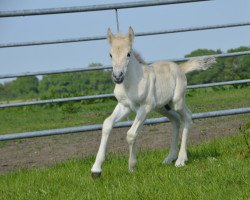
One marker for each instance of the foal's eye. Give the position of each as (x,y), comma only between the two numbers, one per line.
(110,55)
(128,55)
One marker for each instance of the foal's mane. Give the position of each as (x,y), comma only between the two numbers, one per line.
(139,57)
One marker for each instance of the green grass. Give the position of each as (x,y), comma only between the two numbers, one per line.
(45,117)
(216,170)
(203,100)
(14,120)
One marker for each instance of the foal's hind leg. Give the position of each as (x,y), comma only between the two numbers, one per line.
(186,121)
(179,105)
(175,120)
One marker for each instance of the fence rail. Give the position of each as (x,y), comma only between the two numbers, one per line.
(96,38)
(104,96)
(223,55)
(50,11)
(60,131)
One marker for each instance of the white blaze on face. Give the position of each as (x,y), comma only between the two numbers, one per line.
(120,54)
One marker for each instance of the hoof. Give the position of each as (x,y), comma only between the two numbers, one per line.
(169,160)
(96,175)
(180,162)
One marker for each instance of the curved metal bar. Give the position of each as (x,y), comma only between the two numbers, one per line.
(104,96)
(50,11)
(96,38)
(223,55)
(61,131)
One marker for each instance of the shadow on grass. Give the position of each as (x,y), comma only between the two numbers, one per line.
(202,153)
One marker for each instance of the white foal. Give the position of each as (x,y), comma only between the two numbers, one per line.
(142,88)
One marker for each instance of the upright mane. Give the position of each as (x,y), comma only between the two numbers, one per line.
(139,57)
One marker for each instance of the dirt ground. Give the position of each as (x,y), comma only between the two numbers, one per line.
(45,151)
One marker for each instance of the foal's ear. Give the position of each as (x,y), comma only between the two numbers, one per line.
(110,35)
(131,34)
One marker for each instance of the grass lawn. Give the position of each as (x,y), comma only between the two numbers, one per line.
(216,170)
(32,118)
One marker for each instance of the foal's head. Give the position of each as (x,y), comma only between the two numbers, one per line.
(120,53)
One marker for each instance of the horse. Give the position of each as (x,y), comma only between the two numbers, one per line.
(142,88)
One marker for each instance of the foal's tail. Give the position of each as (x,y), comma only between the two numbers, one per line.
(197,64)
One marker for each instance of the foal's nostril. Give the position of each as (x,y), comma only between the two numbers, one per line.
(117,76)
(120,75)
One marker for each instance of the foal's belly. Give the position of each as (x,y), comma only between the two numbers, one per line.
(163,97)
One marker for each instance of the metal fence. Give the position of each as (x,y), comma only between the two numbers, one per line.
(95,38)
(217,113)
(116,6)
(82,39)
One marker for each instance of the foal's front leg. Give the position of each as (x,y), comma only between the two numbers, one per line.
(133,133)
(119,112)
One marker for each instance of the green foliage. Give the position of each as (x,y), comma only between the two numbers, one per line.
(5,92)
(239,49)
(75,84)
(25,86)
(226,69)
(21,88)
(203,52)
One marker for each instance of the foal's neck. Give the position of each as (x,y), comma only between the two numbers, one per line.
(134,72)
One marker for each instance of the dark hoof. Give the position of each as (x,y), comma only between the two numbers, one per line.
(96,175)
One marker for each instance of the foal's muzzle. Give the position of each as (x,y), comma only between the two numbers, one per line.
(118,78)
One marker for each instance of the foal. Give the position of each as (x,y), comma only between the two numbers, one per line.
(142,88)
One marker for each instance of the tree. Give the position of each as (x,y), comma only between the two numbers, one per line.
(239,49)
(203,52)
(226,69)
(240,64)
(24,87)
(76,84)
(208,76)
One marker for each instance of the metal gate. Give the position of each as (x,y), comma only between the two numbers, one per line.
(116,8)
